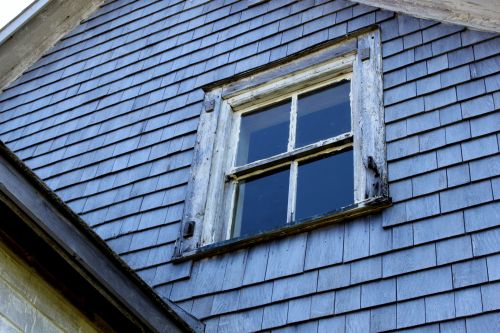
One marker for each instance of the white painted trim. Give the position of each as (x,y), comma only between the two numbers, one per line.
(20,20)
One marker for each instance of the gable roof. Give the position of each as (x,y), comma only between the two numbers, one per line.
(26,38)
(63,247)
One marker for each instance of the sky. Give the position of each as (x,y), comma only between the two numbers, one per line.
(10,8)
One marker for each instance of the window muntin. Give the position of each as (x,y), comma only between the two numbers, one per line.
(317,115)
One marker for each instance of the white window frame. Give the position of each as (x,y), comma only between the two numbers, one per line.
(210,204)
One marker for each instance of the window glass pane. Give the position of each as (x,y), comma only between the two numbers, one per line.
(264,133)
(324,185)
(323,114)
(262,203)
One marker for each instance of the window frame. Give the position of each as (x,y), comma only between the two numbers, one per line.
(292,157)
(208,219)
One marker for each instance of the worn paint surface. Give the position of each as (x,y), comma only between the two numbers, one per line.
(29,304)
(108,119)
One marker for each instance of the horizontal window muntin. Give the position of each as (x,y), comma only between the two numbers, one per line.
(311,151)
(292,167)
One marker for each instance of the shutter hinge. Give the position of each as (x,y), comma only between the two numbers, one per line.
(209,106)
(188,230)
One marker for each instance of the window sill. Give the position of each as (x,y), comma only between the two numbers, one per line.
(366,207)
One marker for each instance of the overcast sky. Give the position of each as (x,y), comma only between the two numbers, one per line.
(10,8)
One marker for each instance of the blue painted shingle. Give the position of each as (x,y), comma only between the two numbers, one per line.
(485,323)
(366,269)
(439,227)
(322,304)
(410,313)
(380,292)
(412,166)
(357,322)
(422,207)
(477,106)
(454,249)
(449,155)
(469,273)
(275,315)
(493,263)
(439,307)
(347,299)
(409,260)
(440,99)
(458,175)
(295,286)
(299,309)
(429,182)
(491,296)
(468,301)
(424,283)
(324,247)
(465,196)
(383,318)
(486,242)
(454,326)
(480,147)
(281,251)
(356,239)
(334,277)
(335,324)
(402,236)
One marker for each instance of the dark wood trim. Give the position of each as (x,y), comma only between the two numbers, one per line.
(367,207)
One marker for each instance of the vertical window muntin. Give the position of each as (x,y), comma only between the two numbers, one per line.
(292,158)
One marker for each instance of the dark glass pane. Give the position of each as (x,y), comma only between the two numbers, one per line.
(264,133)
(262,203)
(323,114)
(324,185)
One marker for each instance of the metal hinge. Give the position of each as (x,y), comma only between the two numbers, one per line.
(188,230)
(209,106)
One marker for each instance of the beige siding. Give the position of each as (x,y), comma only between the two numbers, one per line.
(29,304)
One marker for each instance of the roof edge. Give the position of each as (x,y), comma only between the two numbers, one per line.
(35,30)
(21,19)
(122,282)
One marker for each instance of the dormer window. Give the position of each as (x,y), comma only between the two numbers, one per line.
(289,148)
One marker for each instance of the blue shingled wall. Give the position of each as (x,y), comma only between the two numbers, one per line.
(108,119)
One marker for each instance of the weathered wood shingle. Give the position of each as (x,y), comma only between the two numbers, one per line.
(108,118)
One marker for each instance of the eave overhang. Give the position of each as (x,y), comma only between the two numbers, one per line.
(45,230)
